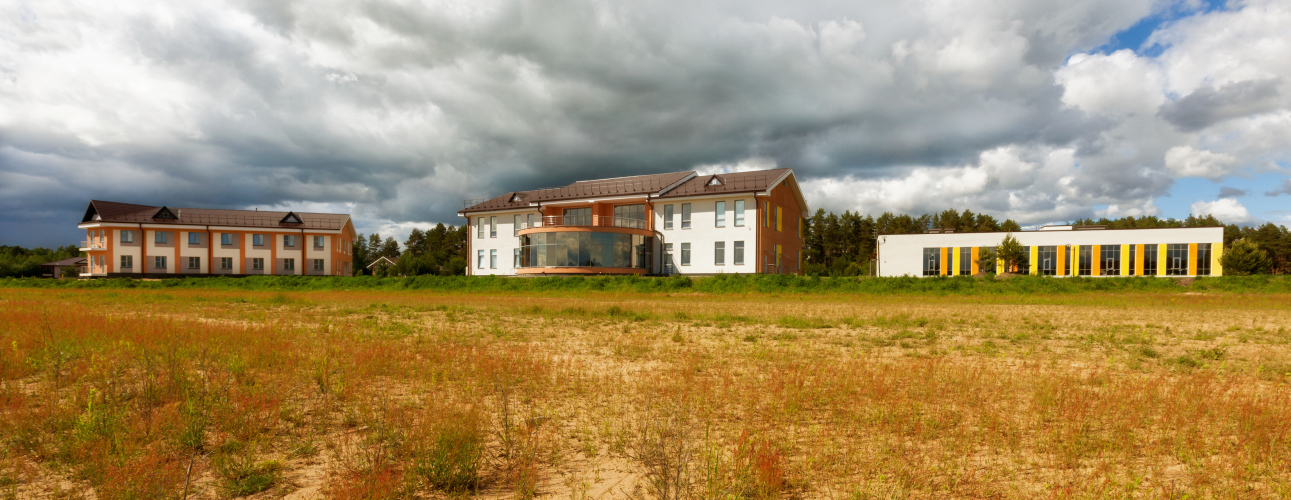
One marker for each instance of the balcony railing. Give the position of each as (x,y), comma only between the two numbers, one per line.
(588,221)
(94,244)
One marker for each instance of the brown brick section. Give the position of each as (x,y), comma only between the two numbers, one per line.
(791,245)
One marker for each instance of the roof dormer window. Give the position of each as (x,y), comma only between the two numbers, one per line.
(164,213)
(715,181)
(290,218)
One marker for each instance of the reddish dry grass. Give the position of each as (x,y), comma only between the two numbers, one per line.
(353,395)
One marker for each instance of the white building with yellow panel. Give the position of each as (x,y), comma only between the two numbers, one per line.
(1059,251)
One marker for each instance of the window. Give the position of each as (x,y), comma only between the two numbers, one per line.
(1085,260)
(226,238)
(719,253)
(766,214)
(194,262)
(779,219)
(667,216)
(667,258)
(493,259)
(965,261)
(289,240)
(987,265)
(1025,266)
(493,227)
(719,214)
(515,225)
(318,242)
(127,236)
(159,262)
(685,216)
(530,220)
(779,251)
(685,254)
(160,237)
(1109,260)
(257,240)
(739,213)
(318,264)
(194,238)
(630,216)
(515,262)
(288,264)
(226,263)
(479,227)
(1150,260)
(739,253)
(577,217)
(479,259)
(257,264)
(127,261)
(1176,260)
(1132,259)
(1203,259)
(932,262)
(1048,256)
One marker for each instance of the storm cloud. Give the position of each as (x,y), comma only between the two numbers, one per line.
(396,111)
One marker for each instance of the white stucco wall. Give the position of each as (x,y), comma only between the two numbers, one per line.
(704,234)
(505,243)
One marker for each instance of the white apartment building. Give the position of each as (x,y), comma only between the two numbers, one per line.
(681,222)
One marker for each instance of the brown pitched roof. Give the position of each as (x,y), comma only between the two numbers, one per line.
(693,185)
(110,211)
(739,182)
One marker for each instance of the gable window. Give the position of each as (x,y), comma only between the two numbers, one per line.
(685,216)
(289,240)
(685,254)
(226,263)
(127,261)
(739,253)
(739,213)
(667,216)
(226,238)
(719,214)
(161,237)
(194,262)
(257,264)
(127,236)
(257,240)
(719,253)
(318,242)
(159,262)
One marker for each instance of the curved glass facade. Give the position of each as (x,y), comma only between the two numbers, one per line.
(584,249)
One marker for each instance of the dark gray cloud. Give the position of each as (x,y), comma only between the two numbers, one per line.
(397,111)
(1231,192)
(1207,106)
(1285,189)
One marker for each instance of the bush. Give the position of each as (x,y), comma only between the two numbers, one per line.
(1245,258)
(448,451)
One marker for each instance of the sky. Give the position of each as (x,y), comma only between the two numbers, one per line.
(396,111)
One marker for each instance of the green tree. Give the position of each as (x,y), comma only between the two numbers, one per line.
(390,248)
(359,250)
(1245,258)
(986,260)
(1010,252)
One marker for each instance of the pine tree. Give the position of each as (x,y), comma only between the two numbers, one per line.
(1010,252)
(1245,258)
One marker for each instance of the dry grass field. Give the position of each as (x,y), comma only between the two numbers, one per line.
(212,394)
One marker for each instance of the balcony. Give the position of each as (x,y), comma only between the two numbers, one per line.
(90,271)
(588,221)
(94,244)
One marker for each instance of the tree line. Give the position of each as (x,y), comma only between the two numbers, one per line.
(19,262)
(846,244)
(440,250)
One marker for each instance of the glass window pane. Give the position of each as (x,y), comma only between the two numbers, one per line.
(719,214)
(685,216)
(739,252)
(685,254)
(739,212)
(667,216)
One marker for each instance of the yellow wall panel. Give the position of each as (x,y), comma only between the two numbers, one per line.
(1096,255)
(1161,263)
(1125,260)
(1216,254)
(1035,257)
(1062,260)
(1192,259)
(1138,259)
(974,267)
